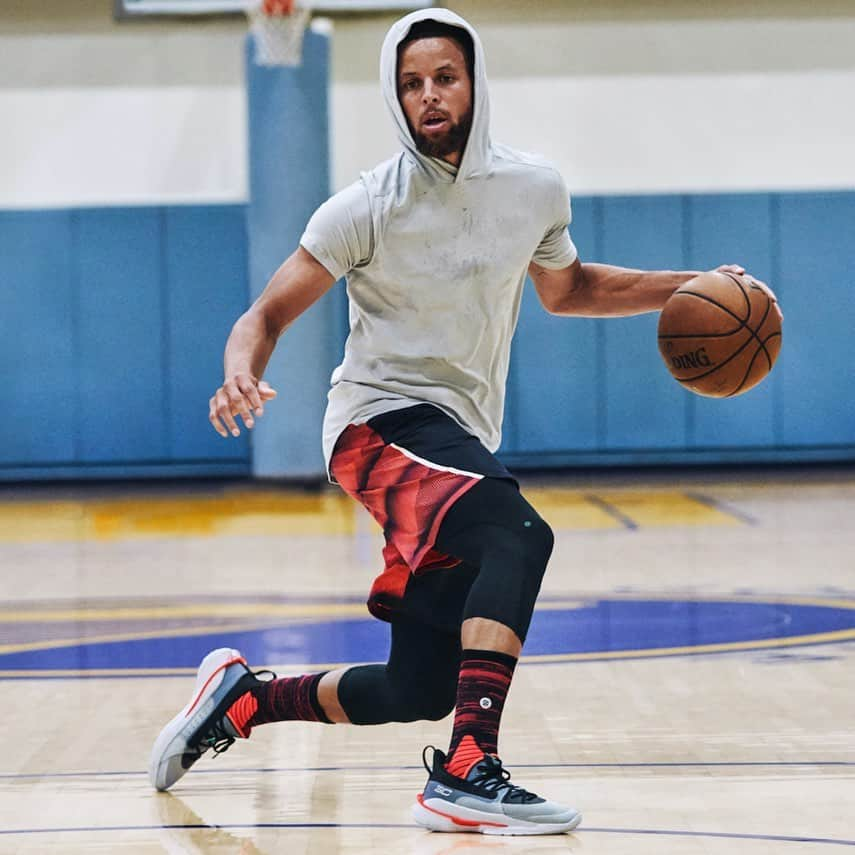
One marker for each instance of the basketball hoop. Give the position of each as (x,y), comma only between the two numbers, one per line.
(277,27)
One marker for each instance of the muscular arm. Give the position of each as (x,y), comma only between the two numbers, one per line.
(298,283)
(601,290)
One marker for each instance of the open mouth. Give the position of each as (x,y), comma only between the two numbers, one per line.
(434,121)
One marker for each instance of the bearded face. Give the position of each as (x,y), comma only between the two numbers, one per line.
(447,142)
(435,92)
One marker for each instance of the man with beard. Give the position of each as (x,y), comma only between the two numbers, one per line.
(435,244)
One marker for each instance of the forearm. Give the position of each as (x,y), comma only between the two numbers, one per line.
(249,346)
(299,282)
(607,291)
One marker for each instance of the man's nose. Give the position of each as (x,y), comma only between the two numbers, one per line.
(429,93)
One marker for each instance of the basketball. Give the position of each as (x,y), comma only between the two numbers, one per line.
(719,334)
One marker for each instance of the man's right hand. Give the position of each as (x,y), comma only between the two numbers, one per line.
(242,395)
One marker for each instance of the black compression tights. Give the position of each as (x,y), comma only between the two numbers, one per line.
(495,529)
(418,682)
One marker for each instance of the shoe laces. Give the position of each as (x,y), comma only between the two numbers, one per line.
(429,766)
(493,777)
(490,775)
(217,738)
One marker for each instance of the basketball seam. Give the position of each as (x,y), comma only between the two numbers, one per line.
(750,364)
(665,336)
(715,303)
(754,332)
(760,327)
(745,375)
(744,294)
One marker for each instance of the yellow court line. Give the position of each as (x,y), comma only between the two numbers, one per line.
(723,647)
(347,610)
(352,610)
(759,599)
(135,636)
(304,614)
(73,673)
(209,610)
(543,659)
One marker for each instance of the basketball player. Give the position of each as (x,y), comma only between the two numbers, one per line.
(435,244)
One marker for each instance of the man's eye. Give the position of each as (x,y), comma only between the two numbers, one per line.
(446,78)
(411,84)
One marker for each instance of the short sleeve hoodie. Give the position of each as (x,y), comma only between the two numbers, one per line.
(435,259)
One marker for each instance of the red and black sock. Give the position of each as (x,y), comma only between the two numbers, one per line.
(485,677)
(284,699)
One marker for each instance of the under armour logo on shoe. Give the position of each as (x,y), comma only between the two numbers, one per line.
(485,703)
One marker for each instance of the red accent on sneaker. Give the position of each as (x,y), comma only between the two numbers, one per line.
(241,711)
(202,690)
(471,823)
(465,756)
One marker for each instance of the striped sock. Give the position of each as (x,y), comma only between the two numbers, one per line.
(485,677)
(284,699)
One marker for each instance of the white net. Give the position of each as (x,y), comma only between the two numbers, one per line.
(278,37)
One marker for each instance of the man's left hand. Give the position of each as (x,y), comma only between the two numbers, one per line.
(739,270)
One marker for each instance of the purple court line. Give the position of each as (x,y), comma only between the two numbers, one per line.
(724,507)
(777,764)
(612,511)
(779,838)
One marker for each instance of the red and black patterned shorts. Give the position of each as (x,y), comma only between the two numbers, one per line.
(407,468)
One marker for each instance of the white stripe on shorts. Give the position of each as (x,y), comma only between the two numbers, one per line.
(436,466)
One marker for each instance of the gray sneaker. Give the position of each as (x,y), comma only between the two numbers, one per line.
(221,679)
(486,802)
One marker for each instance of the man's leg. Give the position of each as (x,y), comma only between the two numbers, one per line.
(418,682)
(495,529)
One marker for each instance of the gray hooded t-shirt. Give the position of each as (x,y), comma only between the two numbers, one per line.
(435,258)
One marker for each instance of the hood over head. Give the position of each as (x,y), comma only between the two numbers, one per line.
(476,157)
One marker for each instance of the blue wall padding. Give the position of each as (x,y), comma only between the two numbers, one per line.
(37,345)
(549,348)
(725,229)
(644,407)
(122,372)
(205,264)
(816,265)
(289,179)
(113,325)
(800,243)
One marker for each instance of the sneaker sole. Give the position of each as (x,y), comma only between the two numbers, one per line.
(165,765)
(443,816)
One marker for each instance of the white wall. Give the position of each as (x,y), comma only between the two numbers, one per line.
(623,96)
(737,102)
(95,112)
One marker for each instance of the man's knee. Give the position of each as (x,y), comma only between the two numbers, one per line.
(512,570)
(371,694)
(494,517)
(522,548)
(426,701)
(538,540)
(428,708)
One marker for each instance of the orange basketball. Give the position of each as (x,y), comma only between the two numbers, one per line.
(719,334)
